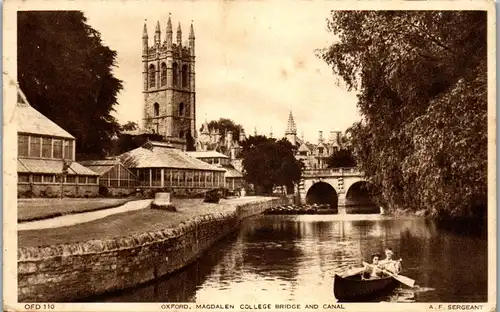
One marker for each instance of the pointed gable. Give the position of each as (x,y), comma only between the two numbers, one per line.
(31,121)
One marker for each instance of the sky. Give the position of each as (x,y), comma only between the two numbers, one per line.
(255,62)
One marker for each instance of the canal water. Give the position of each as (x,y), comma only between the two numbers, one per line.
(274,259)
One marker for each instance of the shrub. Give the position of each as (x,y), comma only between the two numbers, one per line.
(103,190)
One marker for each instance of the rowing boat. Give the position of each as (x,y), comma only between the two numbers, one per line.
(353,287)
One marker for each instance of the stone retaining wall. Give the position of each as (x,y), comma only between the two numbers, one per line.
(82,270)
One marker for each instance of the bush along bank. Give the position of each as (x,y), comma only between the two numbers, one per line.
(92,268)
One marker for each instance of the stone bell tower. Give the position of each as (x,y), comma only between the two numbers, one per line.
(169,85)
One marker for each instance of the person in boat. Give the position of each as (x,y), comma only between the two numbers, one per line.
(373,271)
(389,264)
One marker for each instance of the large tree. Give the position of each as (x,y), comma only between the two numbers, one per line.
(341,158)
(421,79)
(268,163)
(66,73)
(224,125)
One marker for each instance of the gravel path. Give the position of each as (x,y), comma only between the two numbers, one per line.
(73,219)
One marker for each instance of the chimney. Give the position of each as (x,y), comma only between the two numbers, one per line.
(320,138)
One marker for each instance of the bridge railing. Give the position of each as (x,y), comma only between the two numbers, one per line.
(344,171)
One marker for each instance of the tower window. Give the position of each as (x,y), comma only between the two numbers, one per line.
(175,74)
(152,76)
(163,74)
(156,109)
(184,75)
(181,109)
(181,134)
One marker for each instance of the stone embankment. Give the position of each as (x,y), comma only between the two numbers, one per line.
(91,268)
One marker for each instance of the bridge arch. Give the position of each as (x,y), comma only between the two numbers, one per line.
(322,193)
(359,199)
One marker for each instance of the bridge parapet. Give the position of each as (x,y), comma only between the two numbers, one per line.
(333,172)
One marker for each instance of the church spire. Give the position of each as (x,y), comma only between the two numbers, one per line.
(179,35)
(204,128)
(290,127)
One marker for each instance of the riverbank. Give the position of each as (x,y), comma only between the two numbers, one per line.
(125,224)
(157,246)
(456,224)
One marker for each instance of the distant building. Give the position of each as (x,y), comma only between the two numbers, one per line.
(42,150)
(314,155)
(160,165)
(233,178)
(169,85)
(213,140)
(117,179)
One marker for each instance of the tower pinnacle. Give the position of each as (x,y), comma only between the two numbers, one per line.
(191,38)
(179,34)
(169,36)
(157,33)
(145,30)
(191,31)
(145,40)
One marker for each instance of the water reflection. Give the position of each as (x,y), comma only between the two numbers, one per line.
(294,258)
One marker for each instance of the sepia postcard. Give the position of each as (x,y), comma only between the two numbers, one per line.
(249,155)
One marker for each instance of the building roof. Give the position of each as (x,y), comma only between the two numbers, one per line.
(29,120)
(232,173)
(53,166)
(207,154)
(103,165)
(100,162)
(158,155)
(303,148)
(134,132)
(238,164)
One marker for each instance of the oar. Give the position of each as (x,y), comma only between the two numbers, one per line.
(400,278)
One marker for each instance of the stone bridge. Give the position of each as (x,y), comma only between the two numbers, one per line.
(341,188)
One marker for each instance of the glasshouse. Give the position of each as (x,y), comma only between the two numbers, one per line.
(159,165)
(113,175)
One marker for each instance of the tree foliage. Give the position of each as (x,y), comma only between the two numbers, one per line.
(127,142)
(66,73)
(268,163)
(422,82)
(341,158)
(190,143)
(224,125)
(129,126)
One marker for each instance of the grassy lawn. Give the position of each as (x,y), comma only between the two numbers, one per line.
(30,209)
(122,224)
